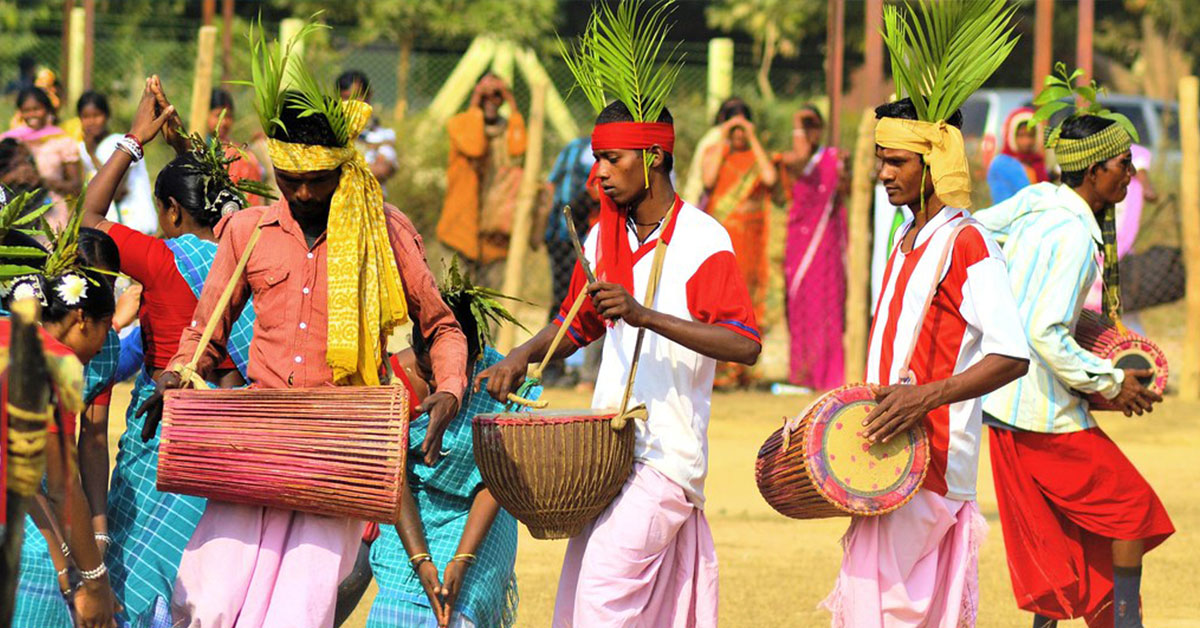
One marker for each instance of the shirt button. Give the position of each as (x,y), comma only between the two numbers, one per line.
(310,256)
(305,290)
(303,325)
(299,359)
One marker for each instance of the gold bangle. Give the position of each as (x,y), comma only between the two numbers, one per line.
(415,557)
(466,558)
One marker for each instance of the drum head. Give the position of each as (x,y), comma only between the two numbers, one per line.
(861,477)
(1136,360)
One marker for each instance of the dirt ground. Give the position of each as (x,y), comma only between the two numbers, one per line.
(774,570)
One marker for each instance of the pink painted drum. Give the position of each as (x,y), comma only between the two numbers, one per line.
(1099,336)
(820,465)
(555,471)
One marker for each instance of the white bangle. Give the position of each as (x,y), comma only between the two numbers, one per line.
(94,574)
(131,147)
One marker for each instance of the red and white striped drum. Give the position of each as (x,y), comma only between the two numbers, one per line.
(1098,335)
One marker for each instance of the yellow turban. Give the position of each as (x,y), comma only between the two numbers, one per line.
(942,147)
(366,296)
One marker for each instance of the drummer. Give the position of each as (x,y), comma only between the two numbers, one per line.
(1077,516)
(943,336)
(334,270)
(650,555)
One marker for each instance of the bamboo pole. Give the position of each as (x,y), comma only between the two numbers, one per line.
(873,52)
(64,59)
(288,29)
(206,50)
(720,74)
(518,244)
(835,57)
(76,67)
(1043,42)
(208,12)
(858,250)
(462,80)
(502,66)
(89,43)
(1189,202)
(557,114)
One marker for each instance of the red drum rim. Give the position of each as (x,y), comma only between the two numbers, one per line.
(839,491)
(1136,345)
(544,417)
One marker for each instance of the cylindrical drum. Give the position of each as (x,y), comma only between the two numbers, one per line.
(1127,350)
(337,451)
(819,464)
(555,471)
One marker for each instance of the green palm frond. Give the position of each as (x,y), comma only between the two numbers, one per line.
(617,57)
(1061,90)
(64,243)
(273,68)
(214,169)
(945,51)
(484,303)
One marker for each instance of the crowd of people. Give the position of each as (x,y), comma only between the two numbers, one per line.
(301,283)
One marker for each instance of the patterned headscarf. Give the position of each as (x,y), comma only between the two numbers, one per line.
(366,295)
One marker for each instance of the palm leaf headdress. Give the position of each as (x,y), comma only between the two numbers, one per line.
(617,57)
(483,303)
(1060,88)
(213,167)
(945,50)
(276,69)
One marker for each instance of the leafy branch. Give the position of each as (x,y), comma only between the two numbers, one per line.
(1061,90)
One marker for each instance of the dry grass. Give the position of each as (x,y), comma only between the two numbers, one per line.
(775,570)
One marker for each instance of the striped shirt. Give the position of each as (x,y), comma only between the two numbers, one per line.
(967,319)
(1053,244)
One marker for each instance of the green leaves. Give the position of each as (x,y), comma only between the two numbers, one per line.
(617,57)
(1061,91)
(484,303)
(944,52)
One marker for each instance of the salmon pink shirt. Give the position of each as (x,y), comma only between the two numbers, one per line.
(287,279)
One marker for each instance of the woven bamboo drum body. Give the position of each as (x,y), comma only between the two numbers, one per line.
(1127,350)
(554,471)
(337,451)
(820,465)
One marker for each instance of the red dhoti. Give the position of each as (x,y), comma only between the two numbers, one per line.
(1063,499)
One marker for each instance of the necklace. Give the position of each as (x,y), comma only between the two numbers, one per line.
(647,224)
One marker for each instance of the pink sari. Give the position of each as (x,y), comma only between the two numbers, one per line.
(815,274)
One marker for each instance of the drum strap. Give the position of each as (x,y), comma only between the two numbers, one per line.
(188,372)
(906,374)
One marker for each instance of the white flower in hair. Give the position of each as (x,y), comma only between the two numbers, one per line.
(26,288)
(71,289)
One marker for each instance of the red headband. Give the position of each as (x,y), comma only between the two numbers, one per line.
(633,136)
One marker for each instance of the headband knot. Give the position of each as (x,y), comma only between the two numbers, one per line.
(941,145)
(1074,155)
(633,136)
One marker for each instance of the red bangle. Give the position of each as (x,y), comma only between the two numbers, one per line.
(135,140)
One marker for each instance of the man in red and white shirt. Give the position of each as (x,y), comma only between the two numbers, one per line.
(648,560)
(945,332)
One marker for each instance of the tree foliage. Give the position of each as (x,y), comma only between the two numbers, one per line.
(775,26)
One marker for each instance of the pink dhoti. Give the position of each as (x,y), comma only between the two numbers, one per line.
(648,560)
(254,567)
(916,566)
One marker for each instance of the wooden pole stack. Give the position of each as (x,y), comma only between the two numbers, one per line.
(557,114)
(75,72)
(1189,208)
(462,80)
(518,245)
(858,253)
(720,75)
(206,50)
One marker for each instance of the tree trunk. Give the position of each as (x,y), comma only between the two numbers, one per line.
(402,70)
(770,45)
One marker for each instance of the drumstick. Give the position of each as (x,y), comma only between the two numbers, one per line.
(587,268)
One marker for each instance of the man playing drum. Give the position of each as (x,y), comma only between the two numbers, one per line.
(648,559)
(943,335)
(1077,515)
(334,272)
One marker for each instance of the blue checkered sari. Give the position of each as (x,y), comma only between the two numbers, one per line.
(150,529)
(444,493)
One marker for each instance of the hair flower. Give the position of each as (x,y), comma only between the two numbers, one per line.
(71,288)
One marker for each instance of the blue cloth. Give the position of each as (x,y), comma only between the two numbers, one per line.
(1006,176)
(194,258)
(150,529)
(40,604)
(100,372)
(132,354)
(568,176)
(444,494)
